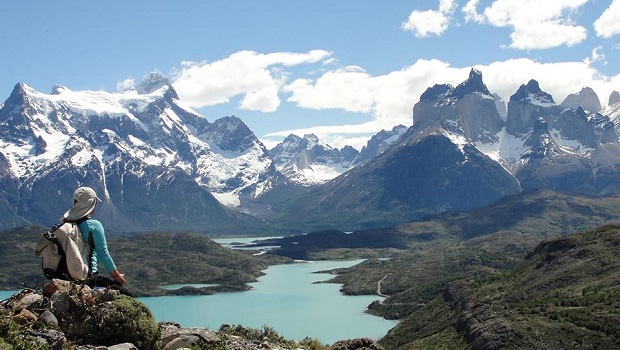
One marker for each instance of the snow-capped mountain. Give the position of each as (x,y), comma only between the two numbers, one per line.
(461,153)
(153,160)
(307,161)
(613,110)
(433,167)
(158,165)
(550,146)
(380,142)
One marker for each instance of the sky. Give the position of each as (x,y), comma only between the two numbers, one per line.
(341,69)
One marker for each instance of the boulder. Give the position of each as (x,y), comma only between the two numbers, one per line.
(356,344)
(24,317)
(74,314)
(26,299)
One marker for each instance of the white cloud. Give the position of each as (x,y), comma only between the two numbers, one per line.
(382,101)
(430,22)
(608,24)
(389,98)
(125,85)
(258,77)
(597,56)
(338,136)
(536,24)
(470,12)
(558,79)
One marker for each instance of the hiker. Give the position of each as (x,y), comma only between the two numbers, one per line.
(84,203)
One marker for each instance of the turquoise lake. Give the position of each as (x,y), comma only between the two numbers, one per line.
(285,299)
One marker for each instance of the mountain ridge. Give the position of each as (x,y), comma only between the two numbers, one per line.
(145,151)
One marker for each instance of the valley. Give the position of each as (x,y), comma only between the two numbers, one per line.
(552,264)
(478,227)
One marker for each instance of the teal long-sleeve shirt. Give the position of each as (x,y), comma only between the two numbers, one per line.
(101,253)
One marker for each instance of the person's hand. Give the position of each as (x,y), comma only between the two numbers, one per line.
(118,277)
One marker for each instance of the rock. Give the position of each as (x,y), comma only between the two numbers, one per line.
(47,338)
(184,341)
(168,330)
(46,320)
(124,346)
(25,316)
(586,98)
(74,317)
(614,98)
(482,328)
(26,299)
(62,286)
(56,285)
(356,344)
(188,336)
(60,303)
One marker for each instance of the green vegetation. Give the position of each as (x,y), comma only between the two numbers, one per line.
(125,319)
(493,255)
(148,261)
(13,338)
(514,274)
(564,293)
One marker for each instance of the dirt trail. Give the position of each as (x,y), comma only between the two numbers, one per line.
(379,287)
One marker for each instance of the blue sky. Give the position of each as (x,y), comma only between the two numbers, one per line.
(342,69)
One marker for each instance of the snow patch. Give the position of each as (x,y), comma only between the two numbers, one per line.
(508,150)
(569,146)
(457,139)
(82,158)
(228,199)
(538,101)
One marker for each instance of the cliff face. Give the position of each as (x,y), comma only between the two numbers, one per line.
(483,328)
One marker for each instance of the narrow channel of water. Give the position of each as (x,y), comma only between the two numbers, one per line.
(286,299)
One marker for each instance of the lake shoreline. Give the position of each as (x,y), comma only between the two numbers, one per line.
(297,300)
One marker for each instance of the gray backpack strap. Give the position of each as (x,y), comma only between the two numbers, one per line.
(91,242)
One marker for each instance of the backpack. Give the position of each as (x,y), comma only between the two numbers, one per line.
(63,252)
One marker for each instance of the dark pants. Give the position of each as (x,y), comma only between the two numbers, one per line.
(98,281)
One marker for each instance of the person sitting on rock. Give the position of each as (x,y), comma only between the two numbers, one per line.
(84,203)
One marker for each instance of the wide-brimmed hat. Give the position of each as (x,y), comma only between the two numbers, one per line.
(84,202)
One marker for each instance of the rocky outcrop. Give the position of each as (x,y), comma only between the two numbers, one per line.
(482,328)
(614,98)
(356,344)
(67,315)
(586,98)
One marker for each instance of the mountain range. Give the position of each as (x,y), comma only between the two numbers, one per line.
(461,154)
(159,165)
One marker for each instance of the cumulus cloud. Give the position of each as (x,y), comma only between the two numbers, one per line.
(257,77)
(536,24)
(389,98)
(430,22)
(125,85)
(559,79)
(338,136)
(382,101)
(608,24)
(597,56)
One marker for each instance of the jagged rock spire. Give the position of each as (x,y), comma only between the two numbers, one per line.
(614,98)
(472,84)
(586,98)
